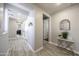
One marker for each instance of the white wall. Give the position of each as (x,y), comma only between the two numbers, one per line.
(12,28)
(1,16)
(3,37)
(72,14)
(38,28)
(30,30)
(4,44)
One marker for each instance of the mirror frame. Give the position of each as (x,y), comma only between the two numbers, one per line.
(65,24)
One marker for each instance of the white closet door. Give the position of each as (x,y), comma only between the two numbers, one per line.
(12,28)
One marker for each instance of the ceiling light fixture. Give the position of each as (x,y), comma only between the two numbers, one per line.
(58,4)
(1,9)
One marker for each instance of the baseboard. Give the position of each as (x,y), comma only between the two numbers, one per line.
(76,52)
(34,51)
(53,43)
(30,47)
(38,49)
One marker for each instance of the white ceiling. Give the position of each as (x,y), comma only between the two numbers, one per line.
(54,7)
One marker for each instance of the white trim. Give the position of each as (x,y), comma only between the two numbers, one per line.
(21,7)
(53,43)
(46,13)
(30,47)
(34,51)
(39,49)
(49,27)
(76,52)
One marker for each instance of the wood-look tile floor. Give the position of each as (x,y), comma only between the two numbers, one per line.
(52,50)
(21,49)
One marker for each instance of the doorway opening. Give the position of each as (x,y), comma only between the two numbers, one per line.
(45,28)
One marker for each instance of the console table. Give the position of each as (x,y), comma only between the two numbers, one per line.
(66,43)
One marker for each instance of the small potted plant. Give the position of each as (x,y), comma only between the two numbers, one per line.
(65,35)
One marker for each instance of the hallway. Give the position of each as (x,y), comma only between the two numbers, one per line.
(27,21)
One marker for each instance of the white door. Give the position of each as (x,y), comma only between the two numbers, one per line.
(12,28)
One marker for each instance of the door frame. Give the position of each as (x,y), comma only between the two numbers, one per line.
(49,27)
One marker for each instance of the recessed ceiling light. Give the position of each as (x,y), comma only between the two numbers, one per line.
(58,4)
(1,9)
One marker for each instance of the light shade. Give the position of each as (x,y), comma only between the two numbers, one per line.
(58,4)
